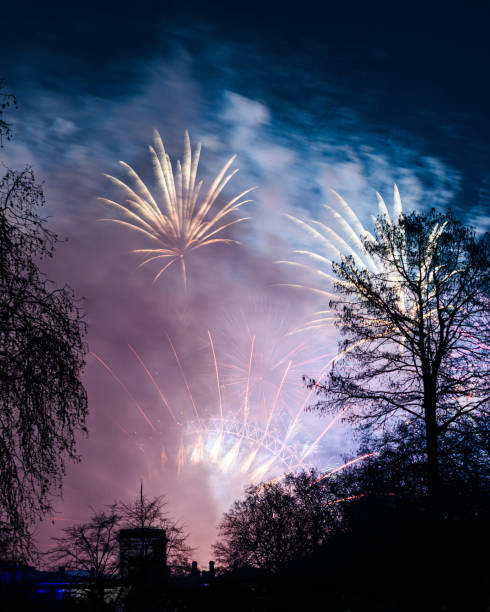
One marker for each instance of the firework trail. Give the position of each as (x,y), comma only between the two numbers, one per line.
(178,220)
(342,467)
(349,241)
(244,437)
(234,434)
(256,349)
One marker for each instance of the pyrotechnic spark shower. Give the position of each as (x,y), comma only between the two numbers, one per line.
(392,270)
(348,241)
(248,442)
(177,219)
(256,348)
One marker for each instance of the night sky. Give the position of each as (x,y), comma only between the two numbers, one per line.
(311,99)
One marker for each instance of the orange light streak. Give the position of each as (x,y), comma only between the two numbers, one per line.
(246,407)
(196,412)
(217,375)
(131,437)
(160,392)
(116,378)
(276,398)
(352,461)
(343,499)
(313,389)
(327,428)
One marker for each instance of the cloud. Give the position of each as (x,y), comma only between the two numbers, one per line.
(62,127)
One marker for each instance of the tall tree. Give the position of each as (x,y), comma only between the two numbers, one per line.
(42,400)
(413,332)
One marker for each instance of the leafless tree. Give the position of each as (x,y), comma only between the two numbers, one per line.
(415,332)
(92,547)
(279,523)
(149,512)
(6,100)
(42,400)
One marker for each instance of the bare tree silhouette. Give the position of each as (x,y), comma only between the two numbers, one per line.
(92,547)
(415,332)
(279,523)
(149,512)
(6,100)
(42,400)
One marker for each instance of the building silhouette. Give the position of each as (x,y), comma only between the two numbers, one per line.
(142,550)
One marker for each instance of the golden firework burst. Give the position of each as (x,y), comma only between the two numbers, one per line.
(177,219)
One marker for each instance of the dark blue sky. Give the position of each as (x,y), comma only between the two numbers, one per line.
(414,73)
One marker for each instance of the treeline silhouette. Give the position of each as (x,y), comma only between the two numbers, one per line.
(363,538)
(360,540)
